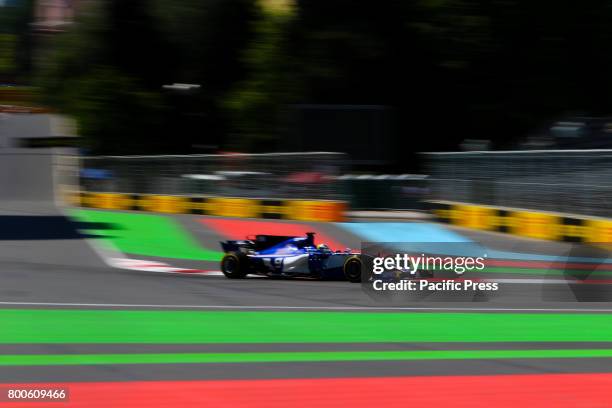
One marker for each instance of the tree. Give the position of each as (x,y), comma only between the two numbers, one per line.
(254,105)
(452,69)
(15,40)
(109,69)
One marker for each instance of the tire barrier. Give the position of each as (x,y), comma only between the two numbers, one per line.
(300,210)
(524,223)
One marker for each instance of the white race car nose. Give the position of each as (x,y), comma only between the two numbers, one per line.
(296,264)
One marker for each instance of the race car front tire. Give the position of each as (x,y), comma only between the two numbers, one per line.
(352,269)
(234,265)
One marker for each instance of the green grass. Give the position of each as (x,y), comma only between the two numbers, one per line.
(281,357)
(104,326)
(146,234)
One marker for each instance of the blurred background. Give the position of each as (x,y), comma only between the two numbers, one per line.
(379,81)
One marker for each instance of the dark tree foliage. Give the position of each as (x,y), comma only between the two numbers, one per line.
(15,40)
(450,69)
(109,70)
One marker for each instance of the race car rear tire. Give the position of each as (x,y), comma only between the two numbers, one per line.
(234,265)
(352,269)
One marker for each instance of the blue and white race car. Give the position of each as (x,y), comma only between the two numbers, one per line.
(285,256)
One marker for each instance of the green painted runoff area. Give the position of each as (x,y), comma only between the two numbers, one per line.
(278,357)
(144,234)
(112,326)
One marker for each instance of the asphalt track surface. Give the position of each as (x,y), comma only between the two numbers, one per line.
(50,262)
(53,262)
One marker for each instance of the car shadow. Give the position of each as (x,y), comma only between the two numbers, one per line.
(33,227)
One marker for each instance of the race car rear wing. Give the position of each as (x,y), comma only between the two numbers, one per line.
(261,242)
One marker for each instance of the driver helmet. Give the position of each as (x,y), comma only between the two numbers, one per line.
(322,247)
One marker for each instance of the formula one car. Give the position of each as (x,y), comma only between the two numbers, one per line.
(286,256)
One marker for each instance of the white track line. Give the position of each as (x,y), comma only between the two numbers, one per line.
(153,266)
(537,281)
(338,308)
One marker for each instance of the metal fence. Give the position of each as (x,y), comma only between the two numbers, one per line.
(386,191)
(275,175)
(569,181)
